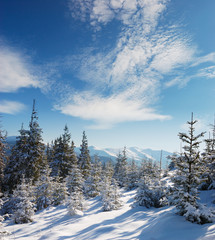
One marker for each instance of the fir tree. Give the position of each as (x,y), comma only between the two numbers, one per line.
(35,151)
(120,173)
(133,175)
(188,170)
(84,157)
(66,161)
(76,204)
(56,157)
(151,194)
(59,191)
(43,188)
(3,157)
(110,195)
(75,181)
(209,160)
(61,160)
(92,186)
(24,203)
(108,170)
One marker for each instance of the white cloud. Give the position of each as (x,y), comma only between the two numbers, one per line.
(11,107)
(204,59)
(181,82)
(103,11)
(109,111)
(208,72)
(124,82)
(15,72)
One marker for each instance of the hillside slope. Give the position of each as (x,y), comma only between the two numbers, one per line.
(127,223)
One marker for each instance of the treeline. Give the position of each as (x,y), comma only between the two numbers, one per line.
(36,176)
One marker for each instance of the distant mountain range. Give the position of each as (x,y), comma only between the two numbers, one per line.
(138,154)
(105,154)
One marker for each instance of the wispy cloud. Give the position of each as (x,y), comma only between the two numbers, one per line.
(15,72)
(124,82)
(106,112)
(208,72)
(11,107)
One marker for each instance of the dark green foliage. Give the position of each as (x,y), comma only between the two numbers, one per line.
(84,159)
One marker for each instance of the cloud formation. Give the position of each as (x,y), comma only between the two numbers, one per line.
(15,71)
(11,107)
(124,82)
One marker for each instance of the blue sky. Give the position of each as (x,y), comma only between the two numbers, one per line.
(128,72)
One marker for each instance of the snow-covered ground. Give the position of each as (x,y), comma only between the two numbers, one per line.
(127,223)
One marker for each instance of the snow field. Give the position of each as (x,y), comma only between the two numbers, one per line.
(141,223)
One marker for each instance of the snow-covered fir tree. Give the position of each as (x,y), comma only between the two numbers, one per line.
(84,159)
(121,169)
(187,179)
(110,195)
(133,175)
(24,203)
(75,204)
(108,170)
(208,157)
(3,157)
(66,161)
(43,188)
(35,151)
(59,191)
(56,157)
(92,186)
(16,166)
(75,182)
(151,193)
(60,159)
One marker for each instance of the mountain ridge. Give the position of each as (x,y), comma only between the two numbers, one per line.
(105,154)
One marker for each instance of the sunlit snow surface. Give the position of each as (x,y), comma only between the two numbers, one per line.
(127,223)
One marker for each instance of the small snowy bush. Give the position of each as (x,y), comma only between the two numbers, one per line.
(150,196)
(199,214)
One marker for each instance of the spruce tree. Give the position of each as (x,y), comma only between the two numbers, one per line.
(121,170)
(110,195)
(188,170)
(133,175)
(209,160)
(61,160)
(108,170)
(151,193)
(56,158)
(59,191)
(3,157)
(24,203)
(35,151)
(43,188)
(84,160)
(92,186)
(16,166)
(75,181)
(66,161)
